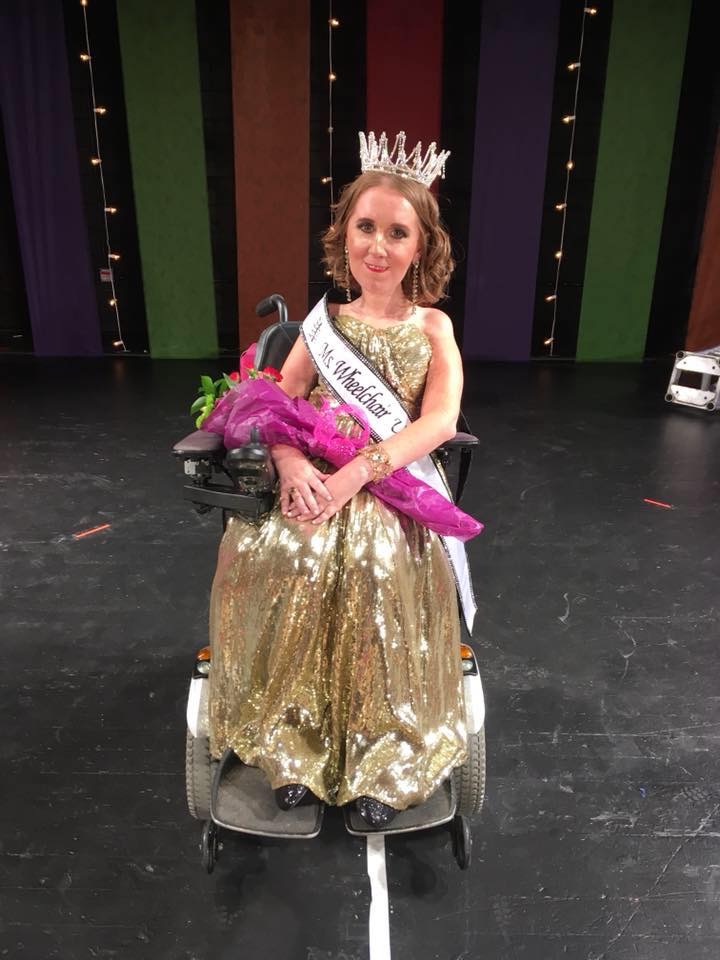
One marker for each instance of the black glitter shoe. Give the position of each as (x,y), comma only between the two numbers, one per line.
(290,795)
(374,812)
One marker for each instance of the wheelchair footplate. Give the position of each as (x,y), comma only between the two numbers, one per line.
(437,809)
(242,800)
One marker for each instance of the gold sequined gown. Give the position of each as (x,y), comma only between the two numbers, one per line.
(335,648)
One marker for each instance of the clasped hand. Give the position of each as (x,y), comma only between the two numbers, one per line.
(308,494)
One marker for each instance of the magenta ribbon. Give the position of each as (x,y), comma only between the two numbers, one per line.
(260,403)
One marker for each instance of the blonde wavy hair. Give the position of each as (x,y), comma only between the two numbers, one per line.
(436,262)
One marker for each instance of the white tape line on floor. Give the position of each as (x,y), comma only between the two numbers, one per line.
(379,910)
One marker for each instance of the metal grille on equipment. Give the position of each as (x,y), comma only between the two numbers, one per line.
(695,380)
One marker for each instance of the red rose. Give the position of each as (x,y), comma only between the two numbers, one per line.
(235,375)
(272,373)
(246,363)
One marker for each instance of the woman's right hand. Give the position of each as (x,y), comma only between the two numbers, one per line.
(301,483)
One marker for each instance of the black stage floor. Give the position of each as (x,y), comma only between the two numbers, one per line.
(598,641)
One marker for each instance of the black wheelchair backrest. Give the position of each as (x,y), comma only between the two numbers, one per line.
(275,343)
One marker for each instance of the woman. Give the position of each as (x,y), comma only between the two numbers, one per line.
(334,623)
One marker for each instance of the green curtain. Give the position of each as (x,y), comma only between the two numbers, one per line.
(158,44)
(644,74)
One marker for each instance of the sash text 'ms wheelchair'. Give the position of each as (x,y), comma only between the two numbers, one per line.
(226,793)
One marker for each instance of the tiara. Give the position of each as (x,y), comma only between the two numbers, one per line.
(374,155)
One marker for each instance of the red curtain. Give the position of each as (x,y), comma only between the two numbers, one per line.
(704,323)
(270,50)
(404,68)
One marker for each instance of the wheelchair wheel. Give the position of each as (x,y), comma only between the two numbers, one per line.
(461,841)
(199,769)
(469,779)
(209,845)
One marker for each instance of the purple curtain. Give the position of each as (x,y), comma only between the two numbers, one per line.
(512,129)
(43,161)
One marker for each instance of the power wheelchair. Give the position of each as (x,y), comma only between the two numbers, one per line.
(227,794)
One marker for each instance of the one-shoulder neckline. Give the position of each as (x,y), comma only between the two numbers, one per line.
(392,326)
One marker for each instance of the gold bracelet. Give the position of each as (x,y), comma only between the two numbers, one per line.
(379,460)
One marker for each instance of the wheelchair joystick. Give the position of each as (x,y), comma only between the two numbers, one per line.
(251,467)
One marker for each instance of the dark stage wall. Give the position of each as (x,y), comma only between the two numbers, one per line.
(216,152)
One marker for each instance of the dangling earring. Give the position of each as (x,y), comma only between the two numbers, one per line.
(416,270)
(347,276)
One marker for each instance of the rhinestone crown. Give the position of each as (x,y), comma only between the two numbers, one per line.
(374,155)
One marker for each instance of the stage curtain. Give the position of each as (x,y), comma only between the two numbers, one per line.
(704,323)
(642,88)
(270,50)
(404,68)
(158,44)
(43,163)
(512,129)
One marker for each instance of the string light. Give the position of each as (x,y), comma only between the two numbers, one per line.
(99,111)
(333,23)
(562,207)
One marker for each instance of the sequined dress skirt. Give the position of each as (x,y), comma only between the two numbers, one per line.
(335,654)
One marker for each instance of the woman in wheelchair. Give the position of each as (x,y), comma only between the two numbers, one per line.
(334,622)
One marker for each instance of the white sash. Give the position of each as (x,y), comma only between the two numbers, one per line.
(353,380)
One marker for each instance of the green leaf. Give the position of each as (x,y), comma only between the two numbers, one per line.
(199,404)
(207,385)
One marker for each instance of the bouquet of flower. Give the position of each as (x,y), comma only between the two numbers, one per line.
(264,407)
(211,390)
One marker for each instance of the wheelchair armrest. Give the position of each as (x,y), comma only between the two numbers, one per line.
(462,440)
(460,447)
(198,444)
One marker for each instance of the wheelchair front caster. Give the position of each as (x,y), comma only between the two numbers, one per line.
(209,845)
(461,841)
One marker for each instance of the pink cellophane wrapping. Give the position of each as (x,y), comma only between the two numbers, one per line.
(293,420)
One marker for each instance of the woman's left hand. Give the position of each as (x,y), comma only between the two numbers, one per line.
(343,485)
